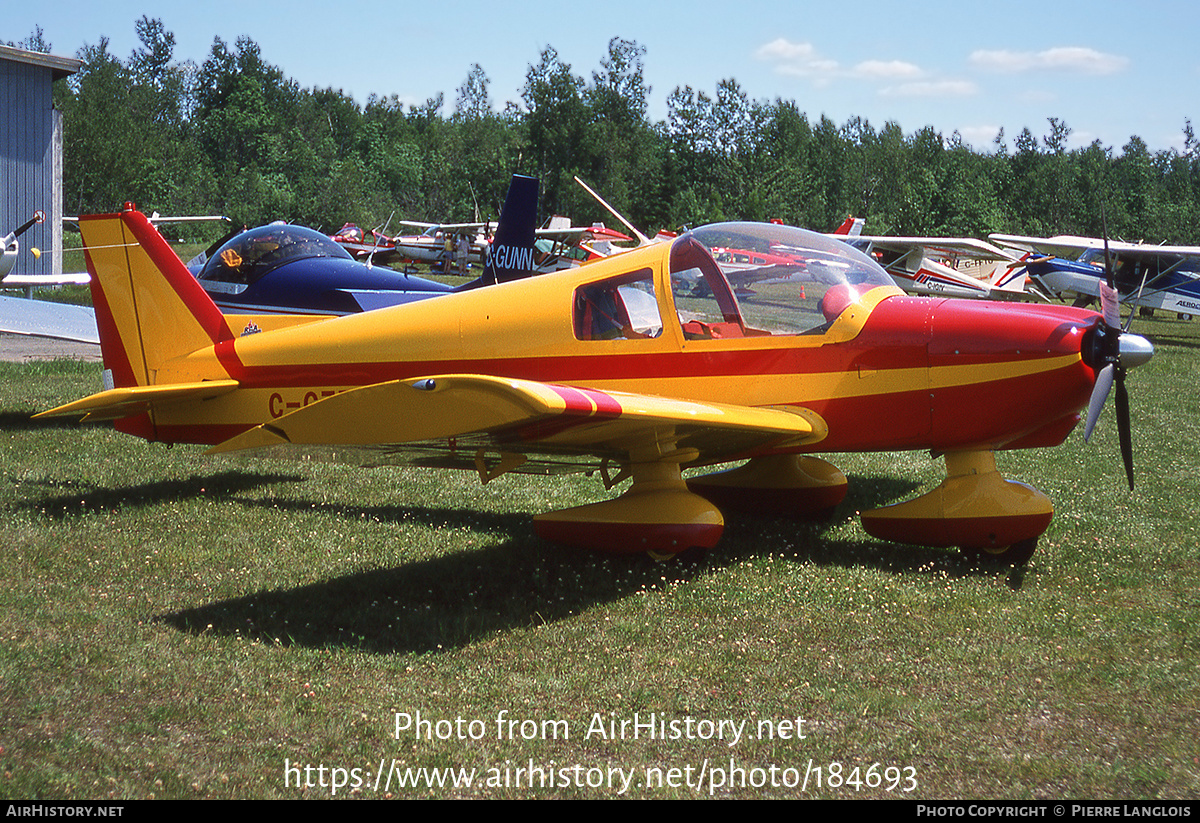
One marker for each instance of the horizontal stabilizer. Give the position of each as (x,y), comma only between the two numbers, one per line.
(117,403)
(371,299)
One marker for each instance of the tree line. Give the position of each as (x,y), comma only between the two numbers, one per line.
(234,135)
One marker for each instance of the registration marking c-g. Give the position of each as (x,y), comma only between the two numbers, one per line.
(278,406)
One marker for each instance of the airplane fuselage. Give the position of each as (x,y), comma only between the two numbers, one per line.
(951,374)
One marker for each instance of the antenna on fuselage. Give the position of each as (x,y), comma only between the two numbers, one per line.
(643,240)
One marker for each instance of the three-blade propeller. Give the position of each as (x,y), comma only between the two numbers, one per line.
(1114,351)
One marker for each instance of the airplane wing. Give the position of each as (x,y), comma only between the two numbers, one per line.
(578,234)
(40,318)
(950,266)
(1065,246)
(39,281)
(455,420)
(953,248)
(1156,277)
(572,234)
(449,228)
(1069,246)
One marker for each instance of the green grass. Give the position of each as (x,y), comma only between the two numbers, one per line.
(178,626)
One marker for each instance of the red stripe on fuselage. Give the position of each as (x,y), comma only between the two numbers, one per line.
(901,333)
(895,337)
(583,368)
(116,358)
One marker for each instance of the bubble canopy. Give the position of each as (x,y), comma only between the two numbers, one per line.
(254,253)
(767,278)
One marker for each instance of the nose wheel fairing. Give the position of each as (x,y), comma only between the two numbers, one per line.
(974,508)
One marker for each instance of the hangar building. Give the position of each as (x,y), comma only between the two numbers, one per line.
(31,151)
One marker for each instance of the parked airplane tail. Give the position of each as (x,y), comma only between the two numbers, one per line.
(511,256)
(1012,278)
(852,226)
(149,308)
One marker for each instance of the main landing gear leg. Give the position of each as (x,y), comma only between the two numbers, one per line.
(657,515)
(778,485)
(973,508)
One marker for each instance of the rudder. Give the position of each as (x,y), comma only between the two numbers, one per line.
(149,308)
(512,252)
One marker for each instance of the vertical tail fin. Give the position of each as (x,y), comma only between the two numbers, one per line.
(1009,277)
(511,254)
(852,226)
(149,308)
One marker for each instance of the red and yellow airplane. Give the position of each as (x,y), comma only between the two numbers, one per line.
(638,366)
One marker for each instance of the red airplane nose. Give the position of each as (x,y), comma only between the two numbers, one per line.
(1006,375)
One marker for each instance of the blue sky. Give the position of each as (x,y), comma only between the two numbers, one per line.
(1109,69)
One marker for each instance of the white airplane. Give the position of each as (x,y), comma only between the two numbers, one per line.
(944,266)
(42,318)
(33,317)
(557,244)
(1155,277)
(561,245)
(10,249)
(430,245)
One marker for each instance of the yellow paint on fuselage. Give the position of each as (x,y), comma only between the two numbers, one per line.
(529,323)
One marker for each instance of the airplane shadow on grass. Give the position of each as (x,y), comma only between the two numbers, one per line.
(450,601)
(89,498)
(18,421)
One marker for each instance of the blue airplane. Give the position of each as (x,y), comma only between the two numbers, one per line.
(287,269)
(1145,275)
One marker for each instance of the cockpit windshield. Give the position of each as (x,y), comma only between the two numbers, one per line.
(251,254)
(753,279)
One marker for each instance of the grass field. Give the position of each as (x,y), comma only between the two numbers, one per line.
(179,626)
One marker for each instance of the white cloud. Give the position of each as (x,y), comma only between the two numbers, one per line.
(783,49)
(1061,58)
(894,78)
(887,70)
(932,88)
(907,79)
(796,59)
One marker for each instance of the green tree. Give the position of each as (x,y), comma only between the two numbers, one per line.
(473,102)
(556,125)
(103,137)
(36,41)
